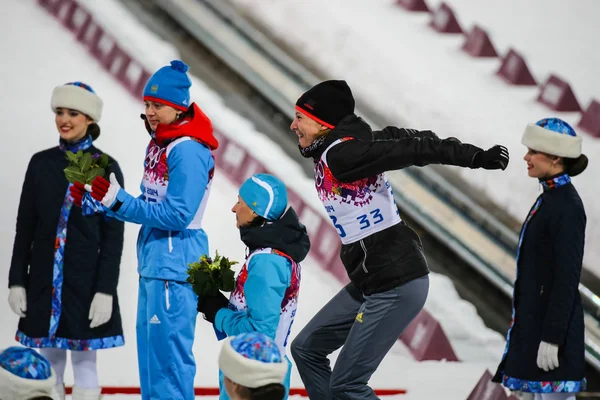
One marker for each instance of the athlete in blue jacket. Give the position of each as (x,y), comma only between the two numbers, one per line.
(265,296)
(178,171)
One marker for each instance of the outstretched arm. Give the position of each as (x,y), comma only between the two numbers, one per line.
(395,133)
(393,149)
(189,165)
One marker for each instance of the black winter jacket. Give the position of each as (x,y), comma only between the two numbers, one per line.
(394,256)
(91,260)
(546,299)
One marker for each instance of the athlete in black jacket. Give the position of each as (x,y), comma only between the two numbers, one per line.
(382,255)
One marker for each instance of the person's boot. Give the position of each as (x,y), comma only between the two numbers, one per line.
(86,394)
(60,391)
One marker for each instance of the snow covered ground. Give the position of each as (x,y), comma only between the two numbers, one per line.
(43,55)
(532,28)
(395,62)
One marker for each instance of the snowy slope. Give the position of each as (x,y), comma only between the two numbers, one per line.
(52,58)
(405,70)
(551,37)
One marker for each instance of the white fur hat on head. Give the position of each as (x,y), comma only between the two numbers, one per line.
(552,136)
(77,96)
(252,360)
(25,374)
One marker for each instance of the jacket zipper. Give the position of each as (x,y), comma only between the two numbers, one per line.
(167,302)
(364,266)
(170,243)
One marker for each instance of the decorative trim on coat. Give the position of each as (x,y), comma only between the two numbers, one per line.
(71,344)
(544,387)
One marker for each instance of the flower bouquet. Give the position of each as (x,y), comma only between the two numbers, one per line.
(208,276)
(84,168)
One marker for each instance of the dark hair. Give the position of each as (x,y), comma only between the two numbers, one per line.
(273,391)
(257,221)
(575,166)
(93,130)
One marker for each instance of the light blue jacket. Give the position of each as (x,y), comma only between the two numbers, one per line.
(261,287)
(175,190)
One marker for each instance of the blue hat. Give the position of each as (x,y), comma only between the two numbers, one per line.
(252,360)
(170,85)
(552,136)
(25,373)
(265,195)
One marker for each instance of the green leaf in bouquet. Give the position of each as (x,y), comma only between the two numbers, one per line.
(79,154)
(225,264)
(93,173)
(228,280)
(202,282)
(204,285)
(86,162)
(72,157)
(103,161)
(215,276)
(73,174)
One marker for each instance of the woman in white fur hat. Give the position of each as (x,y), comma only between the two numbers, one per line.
(545,348)
(65,264)
(253,366)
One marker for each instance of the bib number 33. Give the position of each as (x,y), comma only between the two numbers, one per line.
(364,220)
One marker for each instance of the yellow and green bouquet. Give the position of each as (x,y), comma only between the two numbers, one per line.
(208,275)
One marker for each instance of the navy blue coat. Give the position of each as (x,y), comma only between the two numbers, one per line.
(546,299)
(91,261)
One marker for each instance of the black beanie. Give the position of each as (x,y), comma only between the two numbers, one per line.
(327,102)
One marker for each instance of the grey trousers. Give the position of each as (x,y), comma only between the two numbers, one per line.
(367,330)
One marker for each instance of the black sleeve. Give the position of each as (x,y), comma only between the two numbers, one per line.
(26,224)
(393,149)
(111,246)
(568,233)
(394,133)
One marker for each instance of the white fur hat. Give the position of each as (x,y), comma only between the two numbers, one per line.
(77,96)
(252,360)
(25,374)
(552,136)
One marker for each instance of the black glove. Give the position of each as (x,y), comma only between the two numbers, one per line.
(209,306)
(494,158)
(354,292)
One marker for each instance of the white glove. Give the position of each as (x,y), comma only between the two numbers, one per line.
(547,358)
(101,309)
(104,191)
(17,298)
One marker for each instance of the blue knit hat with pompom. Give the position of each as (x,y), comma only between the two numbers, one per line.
(252,360)
(170,85)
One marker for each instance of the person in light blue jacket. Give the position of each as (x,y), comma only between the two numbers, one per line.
(178,172)
(265,297)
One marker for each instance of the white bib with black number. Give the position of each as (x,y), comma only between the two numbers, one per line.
(357,209)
